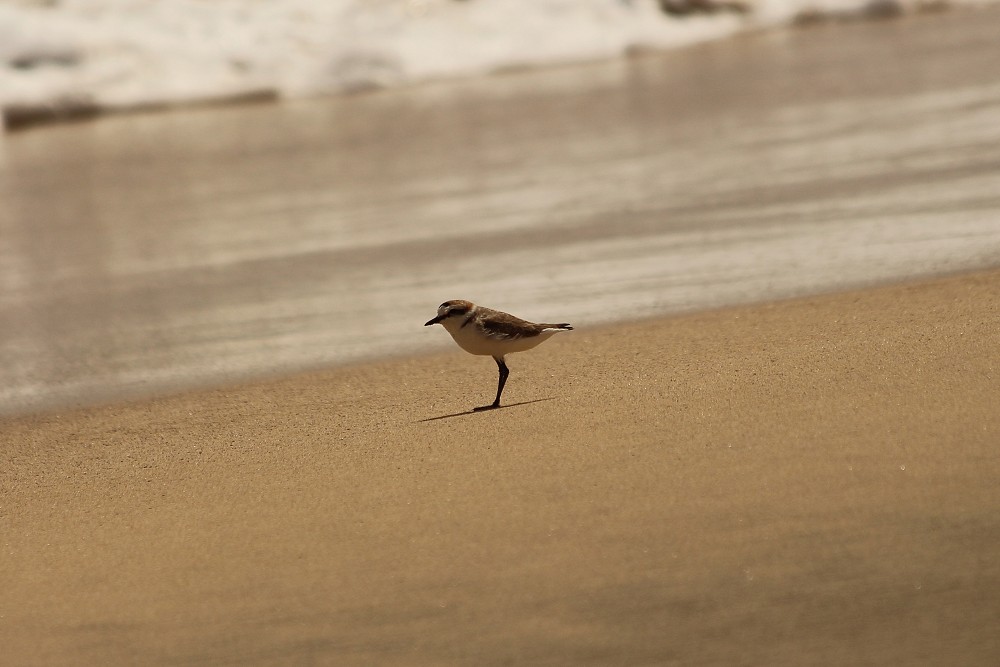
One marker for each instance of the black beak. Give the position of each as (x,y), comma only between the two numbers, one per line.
(434,321)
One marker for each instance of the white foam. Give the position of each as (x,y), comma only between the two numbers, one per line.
(115,54)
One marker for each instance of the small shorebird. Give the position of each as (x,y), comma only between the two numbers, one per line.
(479,330)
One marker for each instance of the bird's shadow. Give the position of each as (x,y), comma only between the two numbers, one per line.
(475,411)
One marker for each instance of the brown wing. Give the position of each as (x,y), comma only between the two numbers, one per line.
(507,327)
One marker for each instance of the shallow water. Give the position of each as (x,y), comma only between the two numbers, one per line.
(154,252)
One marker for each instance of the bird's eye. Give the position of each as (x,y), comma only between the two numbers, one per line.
(443,305)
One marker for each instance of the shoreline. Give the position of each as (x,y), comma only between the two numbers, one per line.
(56,406)
(760,483)
(255,241)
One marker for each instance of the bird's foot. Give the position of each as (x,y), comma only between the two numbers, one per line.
(486,407)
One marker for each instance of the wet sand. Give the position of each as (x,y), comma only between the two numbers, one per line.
(807,482)
(154,252)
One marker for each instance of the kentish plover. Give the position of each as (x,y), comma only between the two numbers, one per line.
(479,330)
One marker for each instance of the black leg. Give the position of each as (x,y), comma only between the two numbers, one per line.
(503,380)
(504,372)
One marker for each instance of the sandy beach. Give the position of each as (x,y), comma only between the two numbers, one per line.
(226,439)
(806,482)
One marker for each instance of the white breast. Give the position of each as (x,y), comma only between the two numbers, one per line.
(474,341)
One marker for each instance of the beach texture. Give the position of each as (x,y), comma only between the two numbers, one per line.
(807,482)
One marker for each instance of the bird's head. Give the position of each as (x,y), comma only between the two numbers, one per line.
(454,308)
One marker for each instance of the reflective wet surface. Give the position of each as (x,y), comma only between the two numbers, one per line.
(153,252)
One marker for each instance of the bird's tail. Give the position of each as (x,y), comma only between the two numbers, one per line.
(565,326)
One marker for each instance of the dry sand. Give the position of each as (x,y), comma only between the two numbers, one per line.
(808,482)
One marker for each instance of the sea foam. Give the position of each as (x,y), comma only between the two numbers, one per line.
(67,57)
